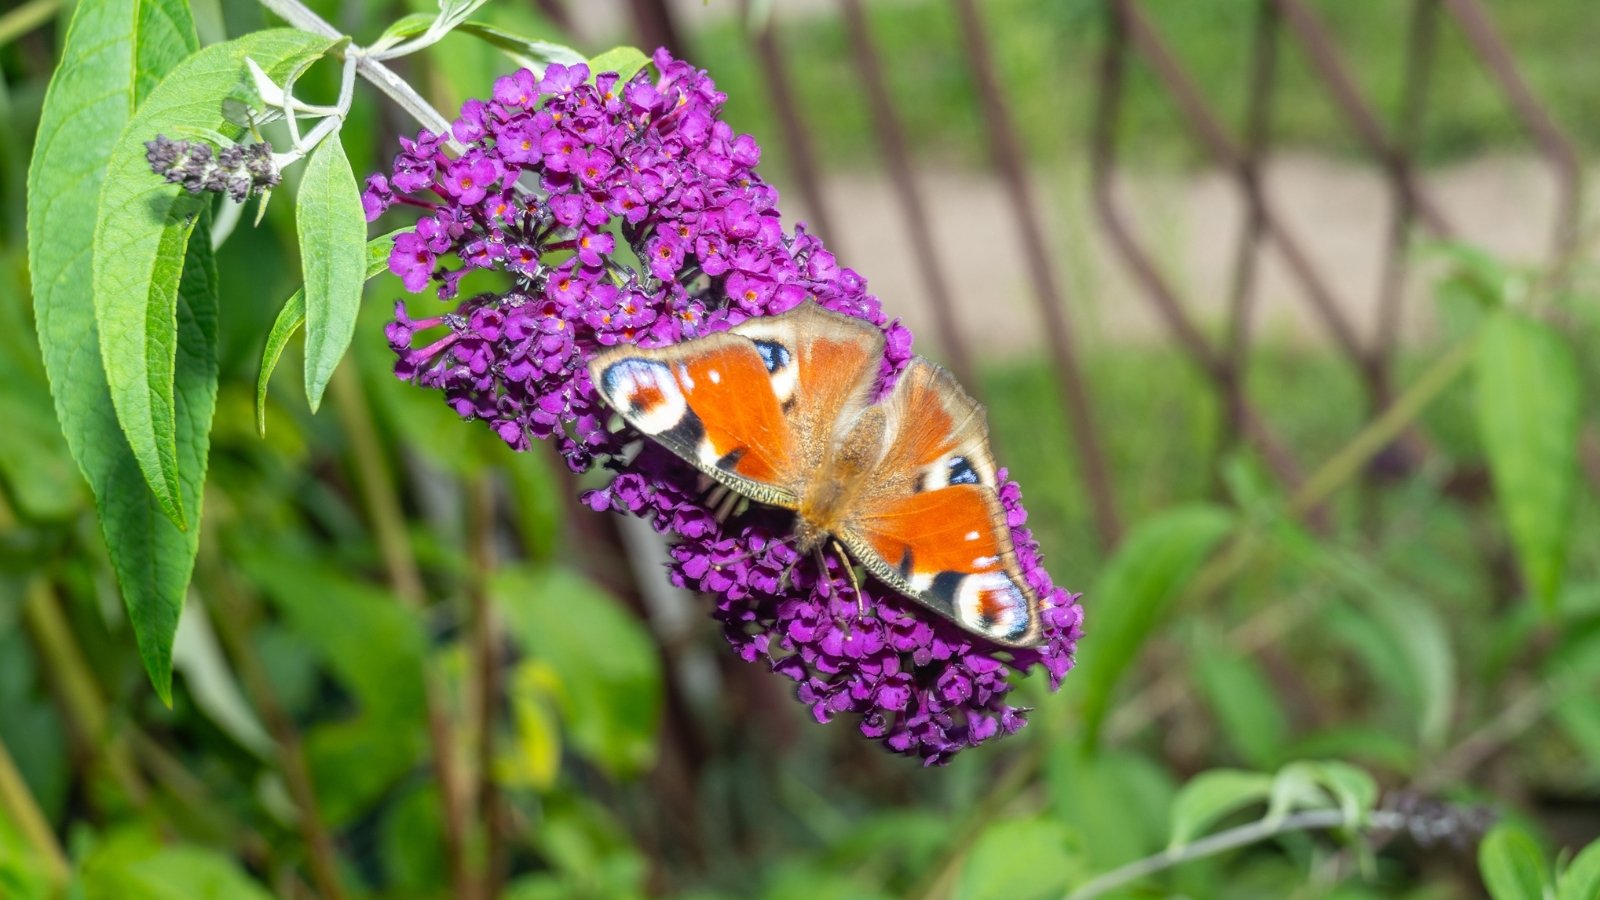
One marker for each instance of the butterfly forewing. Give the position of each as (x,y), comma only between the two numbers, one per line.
(711,402)
(823,367)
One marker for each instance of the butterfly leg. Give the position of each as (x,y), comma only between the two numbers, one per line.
(850,569)
(824,580)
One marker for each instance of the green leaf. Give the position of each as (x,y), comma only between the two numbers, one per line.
(610,677)
(141,227)
(1117,804)
(35,463)
(1354,789)
(333,229)
(375,650)
(404,27)
(1414,631)
(136,867)
(114,53)
(1214,795)
(1581,879)
(625,61)
(293,315)
(1245,705)
(1140,582)
(1019,858)
(1319,784)
(1513,868)
(374,647)
(1528,416)
(529,53)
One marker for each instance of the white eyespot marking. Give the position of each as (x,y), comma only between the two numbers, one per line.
(784,382)
(715,376)
(972,535)
(991,604)
(921,581)
(985,562)
(684,378)
(645,392)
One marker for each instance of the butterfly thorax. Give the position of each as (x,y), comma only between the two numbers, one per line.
(831,489)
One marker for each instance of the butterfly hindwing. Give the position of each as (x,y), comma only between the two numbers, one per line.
(932,524)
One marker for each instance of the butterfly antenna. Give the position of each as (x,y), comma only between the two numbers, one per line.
(850,569)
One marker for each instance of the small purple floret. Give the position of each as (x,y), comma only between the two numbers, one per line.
(560,173)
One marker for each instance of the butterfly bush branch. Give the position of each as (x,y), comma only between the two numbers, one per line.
(545,176)
(381,76)
(450,15)
(1221,842)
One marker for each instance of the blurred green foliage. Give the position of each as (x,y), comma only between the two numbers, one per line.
(1440,637)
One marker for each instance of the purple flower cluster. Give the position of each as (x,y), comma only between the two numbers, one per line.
(627,211)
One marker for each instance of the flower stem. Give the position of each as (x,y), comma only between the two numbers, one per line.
(21,808)
(232,613)
(375,485)
(384,78)
(25,18)
(1308,820)
(486,651)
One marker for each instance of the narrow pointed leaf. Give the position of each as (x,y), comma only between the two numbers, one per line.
(1581,879)
(625,61)
(1136,588)
(293,315)
(141,226)
(1528,415)
(1511,864)
(332,229)
(1212,796)
(114,53)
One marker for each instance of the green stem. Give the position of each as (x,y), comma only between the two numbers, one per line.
(1399,415)
(233,611)
(19,805)
(375,484)
(486,652)
(25,18)
(1309,820)
(79,693)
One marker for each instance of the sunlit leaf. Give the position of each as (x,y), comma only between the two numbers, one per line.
(1581,878)
(293,315)
(625,61)
(1138,584)
(114,54)
(1212,796)
(132,866)
(609,672)
(1512,865)
(332,230)
(142,224)
(1529,405)
(1019,858)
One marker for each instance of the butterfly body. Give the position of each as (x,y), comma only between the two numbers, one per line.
(779,410)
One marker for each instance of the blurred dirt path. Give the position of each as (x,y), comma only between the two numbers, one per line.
(1339,209)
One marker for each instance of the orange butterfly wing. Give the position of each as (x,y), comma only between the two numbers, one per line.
(755,407)
(711,402)
(932,524)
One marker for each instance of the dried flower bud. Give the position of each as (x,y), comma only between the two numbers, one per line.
(238,170)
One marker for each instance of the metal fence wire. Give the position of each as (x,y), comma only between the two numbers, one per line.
(1130,37)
